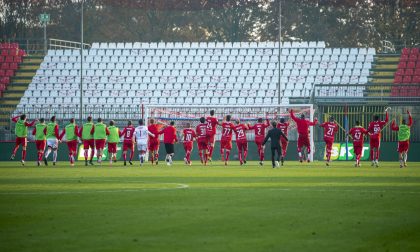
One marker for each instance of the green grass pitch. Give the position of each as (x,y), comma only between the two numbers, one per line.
(299,207)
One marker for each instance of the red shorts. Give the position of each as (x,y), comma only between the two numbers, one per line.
(259,141)
(21,141)
(188,146)
(226,144)
(89,143)
(328,143)
(210,138)
(283,143)
(154,145)
(358,149)
(403,146)
(303,141)
(112,147)
(242,145)
(128,146)
(100,143)
(72,145)
(202,144)
(375,143)
(40,145)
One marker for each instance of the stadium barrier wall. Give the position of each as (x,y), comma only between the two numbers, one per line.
(388,152)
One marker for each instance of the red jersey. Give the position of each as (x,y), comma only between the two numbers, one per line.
(211,125)
(259,130)
(357,135)
(128,133)
(169,135)
(239,130)
(201,131)
(154,129)
(227,128)
(284,127)
(376,127)
(302,124)
(189,135)
(330,129)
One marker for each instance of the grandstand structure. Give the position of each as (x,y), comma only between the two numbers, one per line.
(119,77)
(123,74)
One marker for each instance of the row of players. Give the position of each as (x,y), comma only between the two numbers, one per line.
(147,138)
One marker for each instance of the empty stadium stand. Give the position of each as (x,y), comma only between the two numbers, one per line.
(123,74)
(10,57)
(408,72)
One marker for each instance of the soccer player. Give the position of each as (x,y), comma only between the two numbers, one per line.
(169,139)
(188,135)
(128,144)
(40,139)
(375,129)
(241,141)
(259,130)
(284,127)
(100,133)
(88,141)
(303,131)
(21,131)
(211,133)
(201,133)
(113,140)
(154,128)
(141,135)
(226,140)
(275,134)
(71,131)
(403,138)
(330,129)
(52,133)
(357,134)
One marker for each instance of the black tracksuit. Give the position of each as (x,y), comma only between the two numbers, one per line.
(274,134)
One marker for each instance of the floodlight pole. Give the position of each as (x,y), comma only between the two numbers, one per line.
(81,65)
(279,84)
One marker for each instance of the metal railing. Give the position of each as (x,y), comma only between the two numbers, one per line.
(66,44)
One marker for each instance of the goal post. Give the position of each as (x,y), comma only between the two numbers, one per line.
(182,114)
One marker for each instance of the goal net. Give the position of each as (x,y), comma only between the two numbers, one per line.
(182,115)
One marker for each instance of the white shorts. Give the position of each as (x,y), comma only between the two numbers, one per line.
(53,143)
(141,147)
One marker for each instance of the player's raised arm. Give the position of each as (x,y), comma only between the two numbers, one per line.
(30,124)
(386,117)
(394,126)
(15,119)
(315,122)
(410,119)
(292,115)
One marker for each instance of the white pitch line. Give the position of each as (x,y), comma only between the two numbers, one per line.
(309,190)
(179,186)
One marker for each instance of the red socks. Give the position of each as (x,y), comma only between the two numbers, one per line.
(227,155)
(23,155)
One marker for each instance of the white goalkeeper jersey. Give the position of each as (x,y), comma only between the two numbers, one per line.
(141,133)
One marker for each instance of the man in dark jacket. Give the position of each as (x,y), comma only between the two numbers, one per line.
(274,134)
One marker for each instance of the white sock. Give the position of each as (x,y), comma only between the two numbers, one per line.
(300,154)
(405,157)
(47,153)
(55,156)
